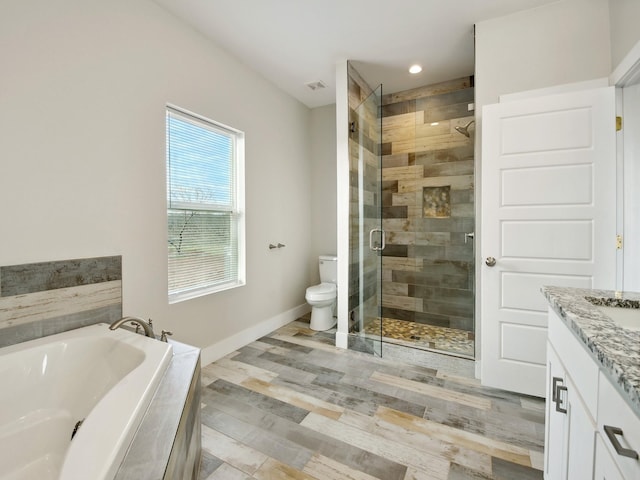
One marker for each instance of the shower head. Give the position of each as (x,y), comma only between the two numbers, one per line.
(464,130)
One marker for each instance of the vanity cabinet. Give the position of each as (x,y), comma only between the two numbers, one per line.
(584,415)
(619,430)
(571,406)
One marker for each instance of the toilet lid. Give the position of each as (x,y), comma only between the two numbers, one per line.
(323,288)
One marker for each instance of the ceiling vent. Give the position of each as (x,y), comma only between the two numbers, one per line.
(319,85)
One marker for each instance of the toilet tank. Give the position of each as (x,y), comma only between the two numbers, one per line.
(328,268)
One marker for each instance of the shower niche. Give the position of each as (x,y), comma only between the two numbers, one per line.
(436,202)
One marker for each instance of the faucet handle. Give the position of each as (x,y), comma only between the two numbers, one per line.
(163,337)
(138,326)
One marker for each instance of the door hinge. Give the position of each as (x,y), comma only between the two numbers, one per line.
(619,242)
(618,124)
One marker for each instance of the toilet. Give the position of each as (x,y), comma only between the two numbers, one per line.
(322,298)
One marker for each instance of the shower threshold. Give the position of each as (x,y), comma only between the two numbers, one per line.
(443,340)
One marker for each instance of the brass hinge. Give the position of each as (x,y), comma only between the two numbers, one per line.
(618,124)
(619,242)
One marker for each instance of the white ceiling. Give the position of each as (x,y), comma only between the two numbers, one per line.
(293,42)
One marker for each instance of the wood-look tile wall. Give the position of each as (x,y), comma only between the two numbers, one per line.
(427,266)
(41,299)
(364,140)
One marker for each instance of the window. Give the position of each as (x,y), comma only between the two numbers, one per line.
(205,200)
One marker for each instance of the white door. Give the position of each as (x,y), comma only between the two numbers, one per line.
(548,218)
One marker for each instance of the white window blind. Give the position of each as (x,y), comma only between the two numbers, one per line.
(205,200)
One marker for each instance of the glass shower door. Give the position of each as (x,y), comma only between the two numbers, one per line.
(367,235)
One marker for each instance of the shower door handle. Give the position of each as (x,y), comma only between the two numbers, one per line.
(376,247)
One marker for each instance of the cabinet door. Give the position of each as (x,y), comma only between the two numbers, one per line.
(605,467)
(555,422)
(613,411)
(570,430)
(581,434)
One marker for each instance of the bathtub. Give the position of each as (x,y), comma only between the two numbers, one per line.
(104,379)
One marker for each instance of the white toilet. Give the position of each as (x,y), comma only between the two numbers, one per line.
(322,298)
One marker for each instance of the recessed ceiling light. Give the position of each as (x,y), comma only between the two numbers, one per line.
(415,69)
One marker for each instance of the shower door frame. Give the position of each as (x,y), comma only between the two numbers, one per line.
(375,235)
(366,124)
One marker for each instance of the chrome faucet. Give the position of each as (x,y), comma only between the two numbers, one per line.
(148,329)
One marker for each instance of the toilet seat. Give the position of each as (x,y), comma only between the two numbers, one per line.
(324,291)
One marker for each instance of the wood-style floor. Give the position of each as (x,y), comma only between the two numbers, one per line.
(292,406)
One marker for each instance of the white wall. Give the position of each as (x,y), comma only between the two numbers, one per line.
(343,189)
(323,186)
(625,29)
(83,89)
(563,42)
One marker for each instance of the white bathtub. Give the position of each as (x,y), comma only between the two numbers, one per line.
(106,378)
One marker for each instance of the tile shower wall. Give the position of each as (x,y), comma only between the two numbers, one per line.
(40,299)
(363,141)
(428,194)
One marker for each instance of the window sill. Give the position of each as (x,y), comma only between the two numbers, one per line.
(201,292)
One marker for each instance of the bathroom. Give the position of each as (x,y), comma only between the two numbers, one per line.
(104,193)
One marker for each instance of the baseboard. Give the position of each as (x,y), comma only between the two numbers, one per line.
(234,342)
(342,340)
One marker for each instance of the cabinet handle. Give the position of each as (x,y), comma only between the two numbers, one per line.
(558,400)
(554,388)
(620,450)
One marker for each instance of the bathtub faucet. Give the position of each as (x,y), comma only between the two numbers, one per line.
(148,329)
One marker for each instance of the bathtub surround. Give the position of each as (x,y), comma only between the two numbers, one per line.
(167,444)
(41,299)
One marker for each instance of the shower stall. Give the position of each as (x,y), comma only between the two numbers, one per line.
(411,225)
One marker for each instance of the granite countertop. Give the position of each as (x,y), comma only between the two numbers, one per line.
(615,349)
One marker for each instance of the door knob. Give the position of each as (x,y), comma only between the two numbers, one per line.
(490,261)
